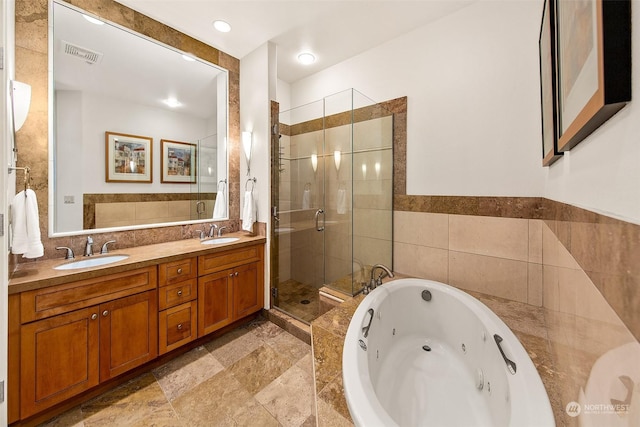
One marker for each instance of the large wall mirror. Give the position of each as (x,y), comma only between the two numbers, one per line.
(138,129)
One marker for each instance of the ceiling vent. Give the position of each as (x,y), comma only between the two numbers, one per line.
(89,56)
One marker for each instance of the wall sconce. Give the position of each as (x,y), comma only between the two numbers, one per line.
(247,142)
(314,162)
(336,158)
(20,101)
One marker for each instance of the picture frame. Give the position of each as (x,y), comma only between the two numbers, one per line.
(593,54)
(128,158)
(548,85)
(178,162)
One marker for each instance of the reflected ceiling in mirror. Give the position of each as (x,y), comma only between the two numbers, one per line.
(110,80)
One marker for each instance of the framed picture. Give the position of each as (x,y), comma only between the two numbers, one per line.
(548,100)
(128,158)
(594,65)
(178,162)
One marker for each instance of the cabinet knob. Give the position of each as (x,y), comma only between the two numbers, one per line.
(231,275)
(94,316)
(180,326)
(105,313)
(180,293)
(179,271)
(236,274)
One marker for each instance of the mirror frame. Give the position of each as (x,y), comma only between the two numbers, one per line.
(173,40)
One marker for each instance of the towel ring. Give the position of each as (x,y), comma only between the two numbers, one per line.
(253,184)
(27,176)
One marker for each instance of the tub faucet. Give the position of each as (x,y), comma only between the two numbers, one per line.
(377,281)
(88,249)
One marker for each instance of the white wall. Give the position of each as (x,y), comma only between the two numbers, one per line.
(473,112)
(473,98)
(257,89)
(602,173)
(7,72)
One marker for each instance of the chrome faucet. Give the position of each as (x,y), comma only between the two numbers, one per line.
(220,230)
(69,254)
(374,282)
(105,249)
(377,281)
(212,229)
(88,249)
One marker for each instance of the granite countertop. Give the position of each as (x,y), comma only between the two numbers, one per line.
(329,330)
(39,274)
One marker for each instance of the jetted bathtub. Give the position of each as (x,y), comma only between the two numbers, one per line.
(422,353)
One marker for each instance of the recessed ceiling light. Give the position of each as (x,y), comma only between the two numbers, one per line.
(93,20)
(222,26)
(306,58)
(172,102)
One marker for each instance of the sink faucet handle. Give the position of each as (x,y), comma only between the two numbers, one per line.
(88,249)
(105,249)
(69,254)
(220,230)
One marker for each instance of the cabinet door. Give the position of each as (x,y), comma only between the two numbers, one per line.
(247,294)
(215,304)
(128,333)
(58,359)
(177,326)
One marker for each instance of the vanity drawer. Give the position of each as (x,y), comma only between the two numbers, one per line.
(47,302)
(178,326)
(178,293)
(177,271)
(218,261)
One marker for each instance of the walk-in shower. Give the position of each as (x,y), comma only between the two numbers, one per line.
(332,180)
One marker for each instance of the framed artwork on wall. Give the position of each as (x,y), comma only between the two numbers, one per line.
(177,162)
(593,51)
(548,100)
(128,158)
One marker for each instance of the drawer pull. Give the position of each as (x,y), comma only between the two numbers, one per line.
(180,293)
(105,313)
(179,271)
(94,316)
(180,327)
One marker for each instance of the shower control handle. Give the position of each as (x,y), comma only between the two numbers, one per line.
(318,226)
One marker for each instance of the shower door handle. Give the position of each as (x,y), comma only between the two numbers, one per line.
(318,226)
(274,213)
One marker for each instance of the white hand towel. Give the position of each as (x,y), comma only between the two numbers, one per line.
(20,239)
(26,225)
(306,199)
(249,211)
(342,201)
(220,207)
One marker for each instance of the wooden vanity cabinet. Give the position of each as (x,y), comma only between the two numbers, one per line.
(230,286)
(77,335)
(177,302)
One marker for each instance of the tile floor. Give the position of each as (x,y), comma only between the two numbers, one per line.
(256,375)
(292,293)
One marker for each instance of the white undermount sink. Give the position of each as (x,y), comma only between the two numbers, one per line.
(91,262)
(220,240)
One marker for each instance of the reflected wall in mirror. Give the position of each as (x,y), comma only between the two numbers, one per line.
(108,78)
